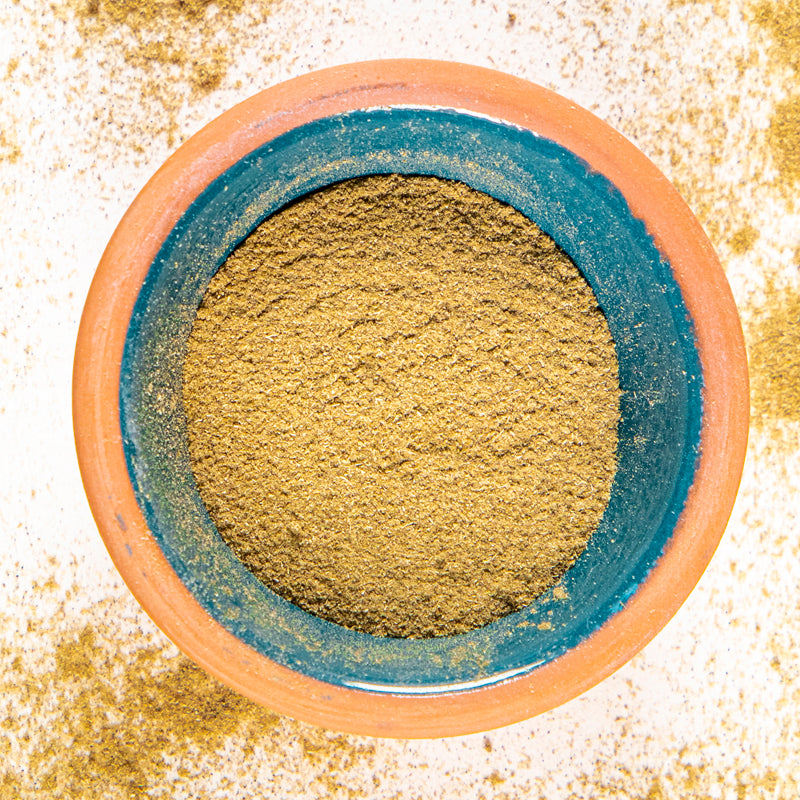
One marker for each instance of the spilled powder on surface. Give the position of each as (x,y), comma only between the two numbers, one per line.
(743,240)
(178,50)
(782,21)
(101,712)
(112,716)
(775,357)
(132,73)
(784,139)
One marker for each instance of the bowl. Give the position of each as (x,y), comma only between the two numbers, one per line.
(682,366)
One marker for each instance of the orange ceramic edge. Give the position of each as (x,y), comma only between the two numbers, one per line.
(104,325)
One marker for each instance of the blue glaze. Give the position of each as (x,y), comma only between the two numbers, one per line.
(659,374)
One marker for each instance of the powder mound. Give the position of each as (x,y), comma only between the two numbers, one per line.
(402,403)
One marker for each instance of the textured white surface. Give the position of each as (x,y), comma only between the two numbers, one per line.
(709,708)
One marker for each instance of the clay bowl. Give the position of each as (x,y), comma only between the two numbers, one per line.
(682,369)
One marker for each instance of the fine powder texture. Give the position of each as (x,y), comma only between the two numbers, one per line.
(402,403)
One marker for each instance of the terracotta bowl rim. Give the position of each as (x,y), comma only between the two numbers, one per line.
(134,245)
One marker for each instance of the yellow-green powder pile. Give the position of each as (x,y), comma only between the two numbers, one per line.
(402,401)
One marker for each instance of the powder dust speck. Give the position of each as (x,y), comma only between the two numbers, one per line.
(743,239)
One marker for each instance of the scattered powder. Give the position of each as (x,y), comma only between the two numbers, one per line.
(685,780)
(121,732)
(743,240)
(9,149)
(107,722)
(775,357)
(402,402)
(180,37)
(694,143)
(140,15)
(179,50)
(713,148)
(107,713)
(782,20)
(784,139)
(560,593)
(655,792)
(719,7)
(495,778)
(209,75)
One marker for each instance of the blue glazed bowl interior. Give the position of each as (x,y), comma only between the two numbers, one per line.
(658,366)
